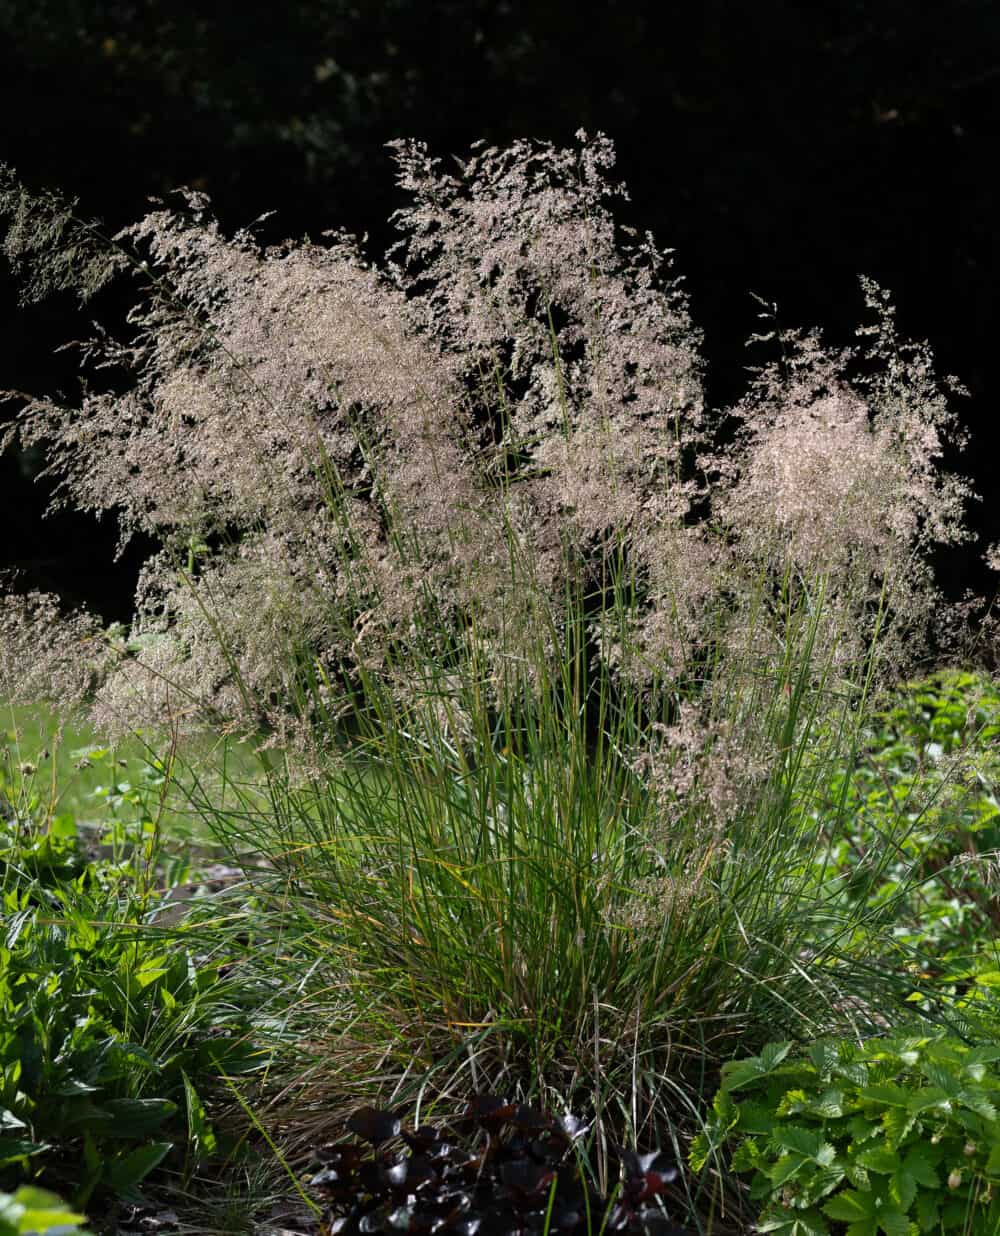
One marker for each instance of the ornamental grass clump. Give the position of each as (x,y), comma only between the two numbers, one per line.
(557,665)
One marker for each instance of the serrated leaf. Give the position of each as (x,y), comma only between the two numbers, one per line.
(787,1167)
(862,1129)
(856,1073)
(773,1054)
(982,1055)
(880,1159)
(807,1142)
(979,1104)
(893,1221)
(851,1206)
(801,1223)
(897,1124)
(887,1095)
(918,1163)
(930,1098)
(700,1150)
(822,1181)
(942,1078)
(829,1105)
(747,1157)
(739,1073)
(824,1056)
(791,1103)
(755,1118)
(928,1210)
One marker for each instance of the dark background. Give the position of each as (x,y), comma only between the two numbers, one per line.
(779,148)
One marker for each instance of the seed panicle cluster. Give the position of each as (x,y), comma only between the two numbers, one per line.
(354,471)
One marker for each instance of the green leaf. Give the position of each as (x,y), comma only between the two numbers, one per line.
(13,1149)
(887,1096)
(915,1170)
(755,1118)
(807,1142)
(928,1210)
(786,1168)
(918,1164)
(200,1133)
(862,1129)
(851,1207)
(747,1157)
(127,1173)
(979,1104)
(824,1056)
(739,1073)
(136,1117)
(773,1054)
(880,1159)
(698,1154)
(32,1210)
(793,1223)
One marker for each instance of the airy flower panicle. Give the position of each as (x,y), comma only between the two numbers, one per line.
(355,470)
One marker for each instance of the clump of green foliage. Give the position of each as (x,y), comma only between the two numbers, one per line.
(917,808)
(111,1024)
(894,1136)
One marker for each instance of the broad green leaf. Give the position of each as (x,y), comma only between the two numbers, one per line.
(739,1073)
(792,1102)
(928,1099)
(786,1168)
(880,1159)
(36,1210)
(928,1210)
(755,1118)
(793,1223)
(887,1096)
(14,1148)
(807,1142)
(136,1117)
(127,1173)
(851,1206)
(942,1078)
(856,1073)
(819,1183)
(773,1054)
(983,1055)
(919,1165)
(824,1056)
(829,1105)
(862,1129)
(897,1124)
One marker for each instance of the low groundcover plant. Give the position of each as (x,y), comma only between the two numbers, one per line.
(546,663)
(112,1026)
(893,1135)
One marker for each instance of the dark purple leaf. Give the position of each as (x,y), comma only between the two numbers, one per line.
(375,1125)
(530,1119)
(489,1111)
(523,1178)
